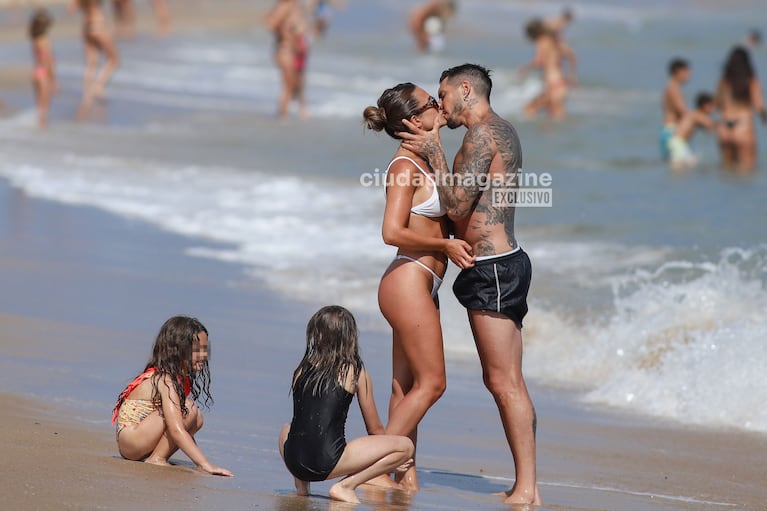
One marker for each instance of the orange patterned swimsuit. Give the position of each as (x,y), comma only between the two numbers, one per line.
(133,411)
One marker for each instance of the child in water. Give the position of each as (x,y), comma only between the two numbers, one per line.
(156,414)
(313,445)
(43,76)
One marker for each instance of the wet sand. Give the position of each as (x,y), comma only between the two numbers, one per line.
(61,361)
(85,292)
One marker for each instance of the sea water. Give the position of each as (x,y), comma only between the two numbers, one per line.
(650,287)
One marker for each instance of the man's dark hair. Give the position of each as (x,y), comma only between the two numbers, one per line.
(478,76)
(677,64)
(703,99)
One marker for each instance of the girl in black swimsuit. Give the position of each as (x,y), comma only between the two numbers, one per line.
(313,445)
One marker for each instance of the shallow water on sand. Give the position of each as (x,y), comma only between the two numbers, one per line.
(646,282)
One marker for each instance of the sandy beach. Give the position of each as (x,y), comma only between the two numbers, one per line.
(87,289)
(62,453)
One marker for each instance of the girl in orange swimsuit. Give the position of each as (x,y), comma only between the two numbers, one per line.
(43,76)
(156,413)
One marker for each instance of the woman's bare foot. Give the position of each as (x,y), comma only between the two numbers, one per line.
(339,492)
(302,487)
(408,479)
(518,497)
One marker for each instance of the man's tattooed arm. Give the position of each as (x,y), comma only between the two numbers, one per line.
(470,173)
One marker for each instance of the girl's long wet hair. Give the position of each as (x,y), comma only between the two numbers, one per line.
(172,356)
(738,73)
(332,350)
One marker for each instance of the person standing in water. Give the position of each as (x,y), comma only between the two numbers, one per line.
(673,103)
(288,22)
(557,25)
(548,58)
(739,96)
(44,74)
(98,43)
(427,24)
(494,289)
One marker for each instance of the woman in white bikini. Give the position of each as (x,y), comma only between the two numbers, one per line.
(415,222)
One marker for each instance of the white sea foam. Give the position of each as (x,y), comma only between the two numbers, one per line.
(667,334)
(681,339)
(685,341)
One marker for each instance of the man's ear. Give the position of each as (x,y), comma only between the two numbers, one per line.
(465,89)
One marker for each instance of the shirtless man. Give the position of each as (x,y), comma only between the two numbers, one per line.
(548,57)
(673,103)
(494,291)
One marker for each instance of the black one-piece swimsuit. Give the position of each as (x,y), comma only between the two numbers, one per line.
(317,437)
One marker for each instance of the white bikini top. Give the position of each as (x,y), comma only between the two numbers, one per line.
(431,207)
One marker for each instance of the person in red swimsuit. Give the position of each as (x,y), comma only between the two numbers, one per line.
(156,414)
(287,20)
(44,75)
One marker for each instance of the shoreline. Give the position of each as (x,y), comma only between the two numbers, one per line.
(587,457)
(89,288)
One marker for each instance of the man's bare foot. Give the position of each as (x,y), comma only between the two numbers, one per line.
(339,492)
(302,487)
(163,462)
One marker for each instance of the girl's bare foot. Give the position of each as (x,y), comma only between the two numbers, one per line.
(158,461)
(384,481)
(339,492)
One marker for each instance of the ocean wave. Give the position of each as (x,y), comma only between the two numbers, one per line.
(684,341)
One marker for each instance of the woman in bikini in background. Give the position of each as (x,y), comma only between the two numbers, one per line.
(288,21)
(738,96)
(414,222)
(98,42)
(548,57)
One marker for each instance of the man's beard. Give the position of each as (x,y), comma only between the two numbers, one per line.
(452,123)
